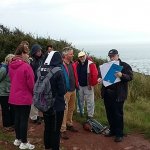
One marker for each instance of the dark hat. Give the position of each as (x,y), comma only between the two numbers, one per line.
(35,48)
(112,52)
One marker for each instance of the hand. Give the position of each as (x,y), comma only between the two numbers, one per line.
(118,74)
(99,80)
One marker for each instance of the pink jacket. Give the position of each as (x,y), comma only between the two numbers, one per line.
(22,82)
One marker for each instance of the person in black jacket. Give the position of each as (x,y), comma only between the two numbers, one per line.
(114,96)
(35,62)
(54,116)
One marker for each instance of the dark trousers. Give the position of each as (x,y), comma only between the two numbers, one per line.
(7,112)
(21,121)
(114,111)
(53,121)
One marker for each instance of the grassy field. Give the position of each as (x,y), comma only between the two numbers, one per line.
(137,106)
(136,110)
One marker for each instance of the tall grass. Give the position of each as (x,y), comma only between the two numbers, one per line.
(136,109)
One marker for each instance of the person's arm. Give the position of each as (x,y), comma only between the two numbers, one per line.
(93,74)
(3,73)
(30,78)
(60,82)
(126,74)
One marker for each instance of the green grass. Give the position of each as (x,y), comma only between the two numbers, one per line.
(136,116)
(136,109)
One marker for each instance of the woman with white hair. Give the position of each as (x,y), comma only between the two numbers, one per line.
(7,110)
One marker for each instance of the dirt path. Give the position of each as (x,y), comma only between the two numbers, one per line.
(83,140)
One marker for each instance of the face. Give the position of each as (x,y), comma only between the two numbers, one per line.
(82,58)
(70,55)
(49,49)
(114,57)
(38,53)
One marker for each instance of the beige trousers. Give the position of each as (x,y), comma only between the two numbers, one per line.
(70,98)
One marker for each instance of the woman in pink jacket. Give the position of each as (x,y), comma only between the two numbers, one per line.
(22,83)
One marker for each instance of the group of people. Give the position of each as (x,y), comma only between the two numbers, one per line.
(18,75)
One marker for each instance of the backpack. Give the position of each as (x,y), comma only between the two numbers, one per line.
(94,126)
(42,94)
(4,65)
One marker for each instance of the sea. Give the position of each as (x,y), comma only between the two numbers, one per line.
(137,55)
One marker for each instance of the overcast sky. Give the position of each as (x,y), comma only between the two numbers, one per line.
(80,21)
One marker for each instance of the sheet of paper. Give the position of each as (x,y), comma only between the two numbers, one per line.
(104,69)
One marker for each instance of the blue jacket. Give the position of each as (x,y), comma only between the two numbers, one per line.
(66,77)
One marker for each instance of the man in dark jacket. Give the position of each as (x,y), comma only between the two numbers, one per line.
(114,96)
(54,116)
(36,61)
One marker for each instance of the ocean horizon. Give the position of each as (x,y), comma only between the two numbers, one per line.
(136,55)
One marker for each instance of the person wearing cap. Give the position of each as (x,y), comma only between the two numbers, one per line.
(70,96)
(35,61)
(87,75)
(114,97)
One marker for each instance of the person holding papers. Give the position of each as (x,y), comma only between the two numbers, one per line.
(115,93)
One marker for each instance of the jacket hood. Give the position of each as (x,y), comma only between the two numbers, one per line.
(35,48)
(56,60)
(16,63)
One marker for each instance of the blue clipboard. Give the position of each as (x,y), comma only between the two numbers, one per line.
(110,76)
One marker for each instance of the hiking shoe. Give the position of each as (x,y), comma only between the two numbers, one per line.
(118,139)
(64,135)
(72,129)
(26,146)
(17,142)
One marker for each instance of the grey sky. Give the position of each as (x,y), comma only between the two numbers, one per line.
(80,21)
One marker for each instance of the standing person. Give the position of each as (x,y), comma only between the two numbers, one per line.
(87,74)
(49,48)
(36,61)
(54,116)
(114,97)
(7,109)
(21,92)
(70,96)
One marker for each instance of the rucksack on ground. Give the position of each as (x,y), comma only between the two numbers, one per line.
(93,125)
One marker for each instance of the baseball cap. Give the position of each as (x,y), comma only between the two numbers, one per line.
(112,52)
(80,54)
